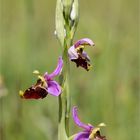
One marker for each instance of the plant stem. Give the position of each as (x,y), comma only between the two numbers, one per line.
(69,25)
(64,98)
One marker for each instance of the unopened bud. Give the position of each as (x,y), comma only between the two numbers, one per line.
(74,11)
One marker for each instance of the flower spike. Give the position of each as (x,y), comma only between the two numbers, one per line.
(45,84)
(78,55)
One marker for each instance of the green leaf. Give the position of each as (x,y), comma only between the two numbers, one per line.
(62,132)
(59,22)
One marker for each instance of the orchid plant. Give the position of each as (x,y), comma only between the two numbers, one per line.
(66,24)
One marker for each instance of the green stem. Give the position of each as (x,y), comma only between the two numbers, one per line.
(64,98)
(69,26)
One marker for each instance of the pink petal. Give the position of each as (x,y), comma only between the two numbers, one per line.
(84,41)
(82,136)
(56,72)
(53,88)
(77,120)
(72,53)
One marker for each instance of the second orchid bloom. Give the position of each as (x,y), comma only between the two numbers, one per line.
(78,55)
(45,84)
(89,131)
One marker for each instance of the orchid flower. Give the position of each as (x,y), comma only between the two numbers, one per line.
(78,55)
(44,85)
(90,132)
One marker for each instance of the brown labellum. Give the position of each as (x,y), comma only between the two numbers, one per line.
(36,91)
(82,62)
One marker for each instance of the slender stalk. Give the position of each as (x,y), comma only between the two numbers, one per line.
(64,98)
(64,106)
(65,28)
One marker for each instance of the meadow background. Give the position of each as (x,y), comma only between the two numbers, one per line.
(108,93)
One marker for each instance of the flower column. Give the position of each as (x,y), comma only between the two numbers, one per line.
(66,23)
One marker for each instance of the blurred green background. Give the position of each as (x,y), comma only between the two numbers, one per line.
(108,93)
